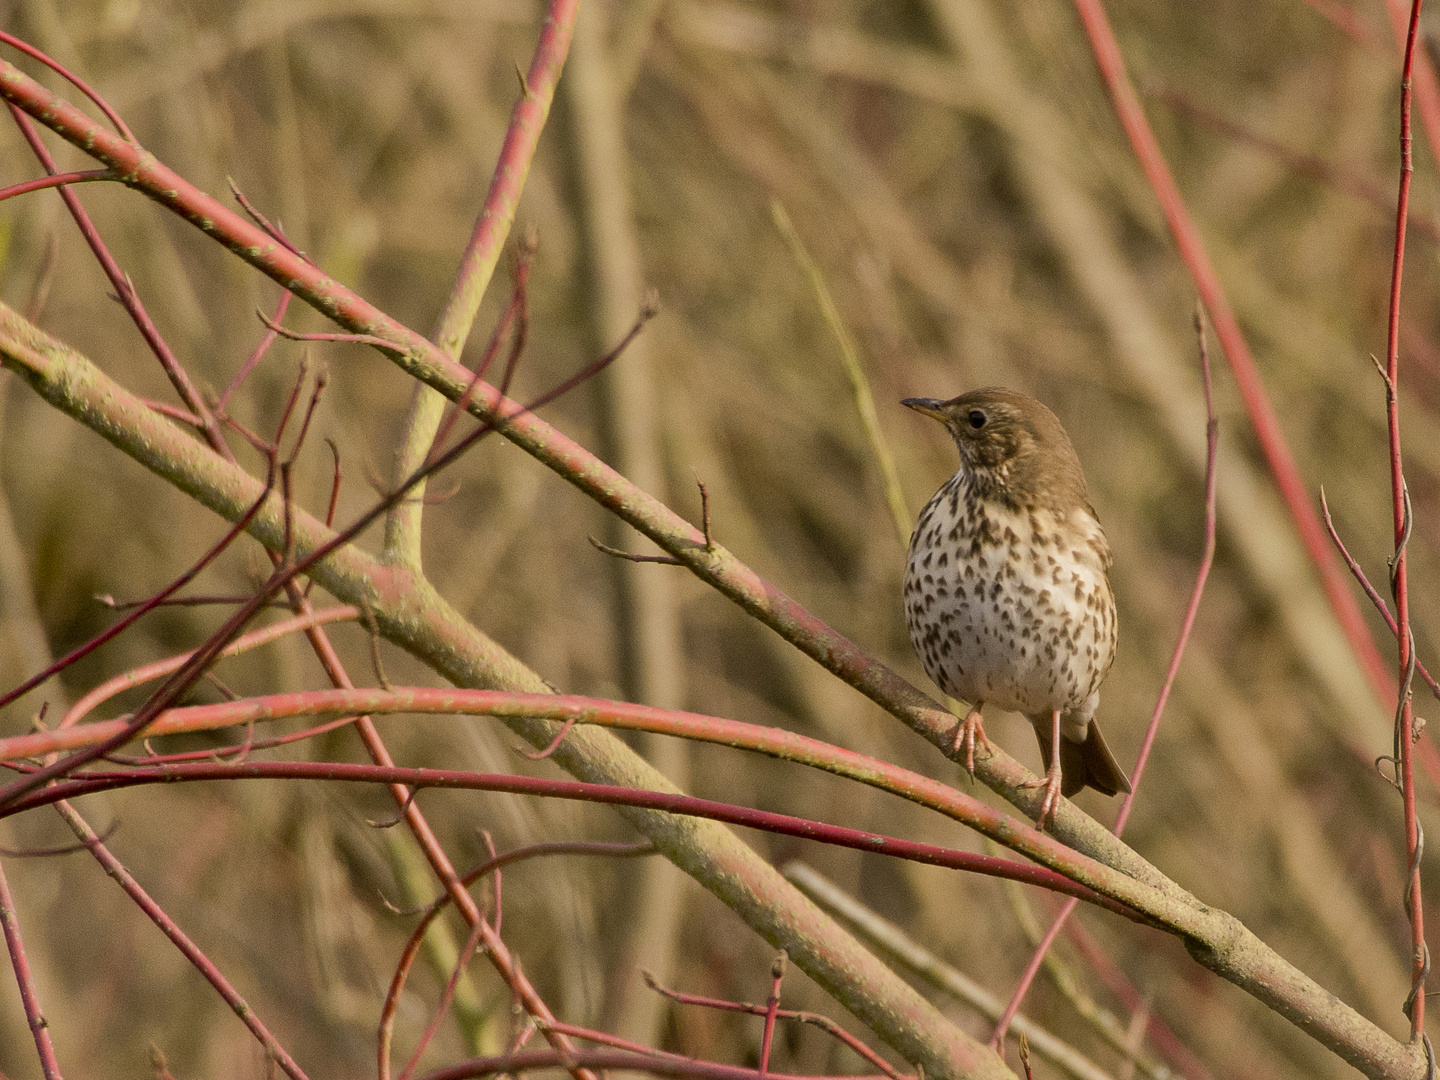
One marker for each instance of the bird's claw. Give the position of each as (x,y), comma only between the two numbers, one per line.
(1051,803)
(966,734)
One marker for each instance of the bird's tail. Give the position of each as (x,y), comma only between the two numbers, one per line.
(1087,764)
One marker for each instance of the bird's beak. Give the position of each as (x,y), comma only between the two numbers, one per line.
(929,406)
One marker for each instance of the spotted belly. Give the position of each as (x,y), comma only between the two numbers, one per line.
(1009,608)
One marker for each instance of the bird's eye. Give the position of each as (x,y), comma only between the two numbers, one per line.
(977,419)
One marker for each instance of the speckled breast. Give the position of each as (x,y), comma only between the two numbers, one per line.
(1010,607)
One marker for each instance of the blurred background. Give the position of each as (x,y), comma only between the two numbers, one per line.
(954,169)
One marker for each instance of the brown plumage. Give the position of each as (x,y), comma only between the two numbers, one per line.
(1006,593)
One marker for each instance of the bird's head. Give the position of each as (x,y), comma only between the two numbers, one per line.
(1012,442)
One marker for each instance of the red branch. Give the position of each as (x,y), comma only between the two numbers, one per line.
(160,668)
(117,872)
(1242,364)
(1405,733)
(70,77)
(777,742)
(15,944)
(55,180)
(1421,74)
(607,794)
(125,290)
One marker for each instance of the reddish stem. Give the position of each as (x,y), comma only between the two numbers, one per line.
(1358,573)
(160,668)
(1405,726)
(242,749)
(125,290)
(258,353)
(39,1030)
(100,639)
(115,869)
(442,1006)
(174,412)
(343,339)
(75,80)
(1262,415)
(607,794)
(941,797)
(55,180)
(492,349)
(1420,73)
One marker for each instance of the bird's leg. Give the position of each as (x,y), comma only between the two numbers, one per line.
(967,732)
(1051,782)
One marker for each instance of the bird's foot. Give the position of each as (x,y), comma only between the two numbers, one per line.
(1051,803)
(966,734)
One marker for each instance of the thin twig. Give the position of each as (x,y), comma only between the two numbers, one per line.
(373,628)
(25,981)
(258,353)
(353,339)
(124,288)
(75,80)
(149,672)
(275,232)
(541,755)
(184,579)
(56,180)
(512,312)
(390,823)
(705,513)
(202,963)
(176,601)
(1373,593)
(62,849)
(667,560)
(1405,733)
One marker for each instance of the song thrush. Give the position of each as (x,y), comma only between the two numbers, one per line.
(1006,593)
